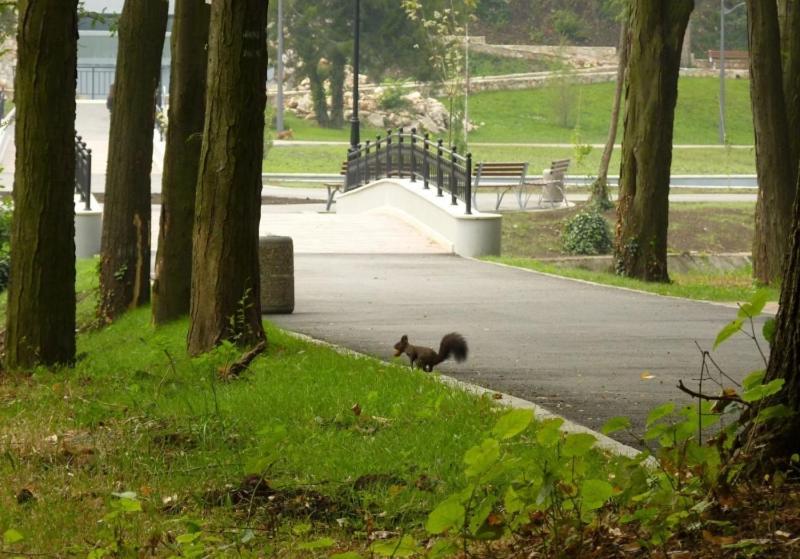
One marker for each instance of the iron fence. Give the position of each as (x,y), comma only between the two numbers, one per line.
(83,172)
(95,81)
(416,157)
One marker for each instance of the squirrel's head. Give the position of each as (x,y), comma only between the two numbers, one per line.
(400,346)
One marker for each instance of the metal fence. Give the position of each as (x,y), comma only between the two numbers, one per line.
(409,155)
(95,81)
(83,172)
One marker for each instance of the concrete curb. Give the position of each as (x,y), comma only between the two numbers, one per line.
(604,442)
(768,310)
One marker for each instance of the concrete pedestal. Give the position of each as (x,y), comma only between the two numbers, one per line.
(276,261)
(88,231)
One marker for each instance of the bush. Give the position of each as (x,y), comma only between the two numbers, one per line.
(6,211)
(586,233)
(393,96)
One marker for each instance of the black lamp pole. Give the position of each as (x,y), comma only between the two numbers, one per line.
(354,125)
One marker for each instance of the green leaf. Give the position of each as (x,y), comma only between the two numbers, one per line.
(12,536)
(595,492)
(778,411)
(480,458)
(548,433)
(512,502)
(405,547)
(346,555)
(188,538)
(768,330)
(441,549)
(753,379)
(512,424)
(321,543)
(578,444)
(130,505)
(448,514)
(658,412)
(756,304)
(616,424)
(763,390)
(728,330)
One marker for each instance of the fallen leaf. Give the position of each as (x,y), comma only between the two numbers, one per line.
(718,540)
(497,396)
(647,375)
(356,409)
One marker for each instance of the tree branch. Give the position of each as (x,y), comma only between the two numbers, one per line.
(682,387)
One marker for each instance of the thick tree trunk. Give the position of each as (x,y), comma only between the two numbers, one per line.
(789,16)
(779,439)
(40,317)
(337,89)
(225,301)
(773,159)
(318,97)
(657,30)
(125,264)
(173,281)
(599,195)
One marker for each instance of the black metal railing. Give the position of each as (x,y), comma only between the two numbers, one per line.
(409,155)
(83,172)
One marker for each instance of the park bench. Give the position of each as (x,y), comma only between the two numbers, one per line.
(552,183)
(736,58)
(512,177)
(334,187)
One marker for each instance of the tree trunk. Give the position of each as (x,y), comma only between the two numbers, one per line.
(173,282)
(338,62)
(789,16)
(225,302)
(651,93)
(40,319)
(318,97)
(779,439)
(125,264)
(599,196)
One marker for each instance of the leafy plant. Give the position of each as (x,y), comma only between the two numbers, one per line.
(6,214)
(587,232)
(393,96)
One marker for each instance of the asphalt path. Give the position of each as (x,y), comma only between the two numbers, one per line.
(584,351)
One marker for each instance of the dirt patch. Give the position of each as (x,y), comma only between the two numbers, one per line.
(704,228)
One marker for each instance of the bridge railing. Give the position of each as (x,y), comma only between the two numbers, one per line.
(83,172)
(416,157)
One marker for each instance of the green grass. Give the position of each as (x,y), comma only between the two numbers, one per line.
(535,115)
(481,64)
(715,161)
(137,415)
(731,286)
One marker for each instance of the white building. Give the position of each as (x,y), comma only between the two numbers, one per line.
(97,48)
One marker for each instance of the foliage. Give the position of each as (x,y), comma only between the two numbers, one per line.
(393,96)
(569,26)
(586,233)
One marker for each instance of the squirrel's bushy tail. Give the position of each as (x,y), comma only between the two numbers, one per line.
(453,344)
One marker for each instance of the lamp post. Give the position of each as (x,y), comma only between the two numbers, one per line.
(723,11)
(354,124)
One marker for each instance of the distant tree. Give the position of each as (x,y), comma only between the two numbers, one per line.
(656,31)
(225,302)
(173,283)
(599,195)
(40,316)
(776,155)
(125,247)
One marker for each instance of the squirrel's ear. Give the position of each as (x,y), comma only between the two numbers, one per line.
(404,338)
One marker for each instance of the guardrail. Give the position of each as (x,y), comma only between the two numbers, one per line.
(401,154)
(83,172)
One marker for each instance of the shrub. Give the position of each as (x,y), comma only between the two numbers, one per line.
(393,96)
(586,233)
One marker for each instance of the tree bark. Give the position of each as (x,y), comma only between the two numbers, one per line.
(773,166)
(789,16)
(338,61)
(599,196)
(173,283)
(125,247)
(225,303)
(657,30)
(40,319)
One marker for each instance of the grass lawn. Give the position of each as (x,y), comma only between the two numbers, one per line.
(529,237)
(712,161)
(550,115)
(140,446)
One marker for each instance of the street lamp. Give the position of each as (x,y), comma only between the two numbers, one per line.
(354,131)
(723,11)
(279,77)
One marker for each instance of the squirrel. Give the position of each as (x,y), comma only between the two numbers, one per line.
(425,358)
